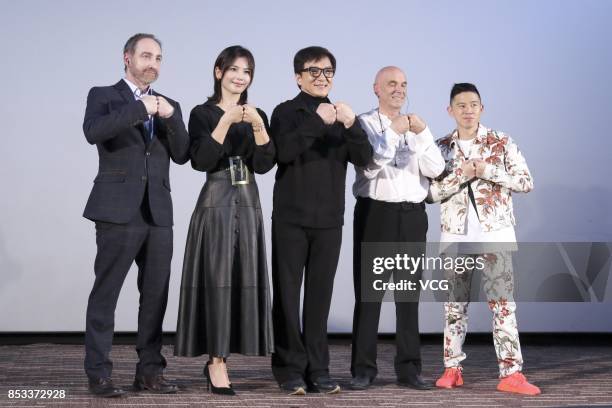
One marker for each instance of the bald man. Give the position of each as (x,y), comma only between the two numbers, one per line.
(390,207)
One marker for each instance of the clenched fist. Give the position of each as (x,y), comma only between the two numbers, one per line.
(401,124)
(150,103)
(233,115)
(416,123)
(468,169)
(479,167)
(252,116)
(327,112)
(164,109)
(345,114)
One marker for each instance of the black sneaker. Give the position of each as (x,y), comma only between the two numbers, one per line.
(294,387)
(323,384)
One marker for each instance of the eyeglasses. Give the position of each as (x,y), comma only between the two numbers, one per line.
(315,72)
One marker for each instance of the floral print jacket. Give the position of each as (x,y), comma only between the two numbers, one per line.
(506,171)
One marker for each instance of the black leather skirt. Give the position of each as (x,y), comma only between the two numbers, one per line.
(225,302)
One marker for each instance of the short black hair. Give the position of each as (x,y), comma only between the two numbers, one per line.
(463,87)
(313,53)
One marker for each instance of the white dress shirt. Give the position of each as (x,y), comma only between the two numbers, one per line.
(138,94)
(400,164)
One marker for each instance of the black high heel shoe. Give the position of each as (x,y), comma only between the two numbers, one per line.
(206,375)
(211,387)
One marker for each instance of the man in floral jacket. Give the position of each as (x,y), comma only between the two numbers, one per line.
(483,168)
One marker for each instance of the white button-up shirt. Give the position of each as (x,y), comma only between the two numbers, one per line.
(138,94)
(400,165)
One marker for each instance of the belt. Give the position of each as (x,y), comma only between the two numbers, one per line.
(224,174)
(402,205)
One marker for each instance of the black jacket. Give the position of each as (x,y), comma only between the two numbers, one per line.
(312,158)
(130,163)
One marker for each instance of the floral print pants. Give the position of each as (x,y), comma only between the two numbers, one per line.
(498,284)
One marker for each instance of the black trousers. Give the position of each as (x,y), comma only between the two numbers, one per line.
(379,221)
(118,246)
(310,254)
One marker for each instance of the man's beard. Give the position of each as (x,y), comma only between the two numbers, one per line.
(148,76)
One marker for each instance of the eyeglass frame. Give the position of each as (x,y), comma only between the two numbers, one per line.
(321,71)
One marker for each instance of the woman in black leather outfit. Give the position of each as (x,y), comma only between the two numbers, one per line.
(225,296)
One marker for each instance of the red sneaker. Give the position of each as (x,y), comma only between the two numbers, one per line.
(517,383)
(450,379)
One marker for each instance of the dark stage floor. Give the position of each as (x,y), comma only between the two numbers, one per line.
(569,375)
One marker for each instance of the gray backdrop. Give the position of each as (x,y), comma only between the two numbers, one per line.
(543,69)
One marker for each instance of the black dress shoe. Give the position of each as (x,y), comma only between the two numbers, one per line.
(104,387)
(155,383)
(323,384)
(294,387)
(415,382)
(361,382)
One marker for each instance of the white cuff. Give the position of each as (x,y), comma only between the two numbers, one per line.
(421,141)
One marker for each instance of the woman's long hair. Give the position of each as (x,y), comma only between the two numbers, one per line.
(224,61)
